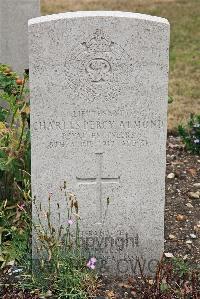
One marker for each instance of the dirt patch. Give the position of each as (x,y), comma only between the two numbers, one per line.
(182,212)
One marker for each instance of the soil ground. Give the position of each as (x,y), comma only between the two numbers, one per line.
(182,212)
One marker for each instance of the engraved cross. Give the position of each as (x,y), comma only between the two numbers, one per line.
(99,180)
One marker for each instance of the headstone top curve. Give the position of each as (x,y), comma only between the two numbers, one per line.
(83,14)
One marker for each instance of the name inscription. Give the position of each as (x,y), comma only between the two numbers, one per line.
(86,128)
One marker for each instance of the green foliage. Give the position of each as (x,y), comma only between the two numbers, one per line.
(170,99)
(164,287)
(15,229)
(14,165)
(14,132)
(67,279)
(191,134)
(180,267)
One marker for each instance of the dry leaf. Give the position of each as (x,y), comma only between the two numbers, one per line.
(180,217)
(127,286)
(192,171)
(110,294)
(171,145)
(172,237)
(151,281)
(177,163)
(197,228)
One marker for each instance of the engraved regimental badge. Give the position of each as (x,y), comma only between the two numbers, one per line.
(95,61)
(98,68)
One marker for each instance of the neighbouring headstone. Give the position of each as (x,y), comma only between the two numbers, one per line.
(99,90)
(14,16)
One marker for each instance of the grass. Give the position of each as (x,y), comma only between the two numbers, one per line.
(184,17)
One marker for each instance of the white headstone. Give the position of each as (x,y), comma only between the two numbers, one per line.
(99,90)
(14,16)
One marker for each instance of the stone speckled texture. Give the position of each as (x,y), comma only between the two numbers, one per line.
(99,90)
(14,16)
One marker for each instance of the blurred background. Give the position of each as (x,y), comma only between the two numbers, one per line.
(184,17)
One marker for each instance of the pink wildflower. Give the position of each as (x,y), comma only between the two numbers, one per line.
(93,260)
(21,206)
(92,263)
(70,221)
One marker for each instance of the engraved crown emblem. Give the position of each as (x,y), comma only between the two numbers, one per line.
(98,43)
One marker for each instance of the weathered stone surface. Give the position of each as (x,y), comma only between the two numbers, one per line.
(14,16)
(99,89)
